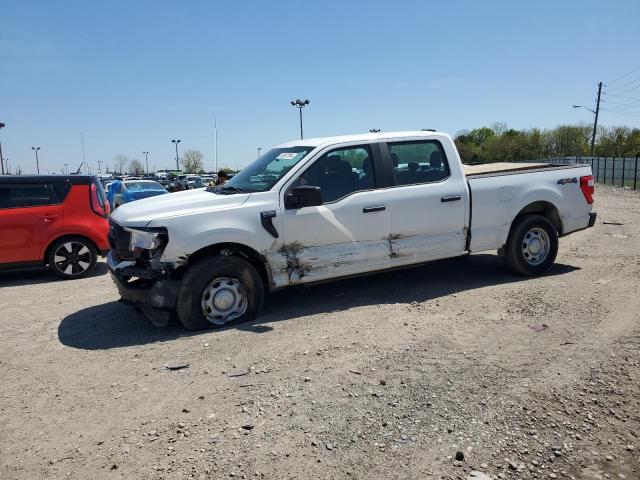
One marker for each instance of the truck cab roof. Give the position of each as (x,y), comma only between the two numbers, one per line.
(362,137)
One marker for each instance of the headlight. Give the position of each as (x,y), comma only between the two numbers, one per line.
(146,240)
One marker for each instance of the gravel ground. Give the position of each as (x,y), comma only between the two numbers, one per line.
(387,376)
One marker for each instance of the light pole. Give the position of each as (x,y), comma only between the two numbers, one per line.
(66,168)
(2,125)
(259,150)
(300,104)
(176,142)
(99,169)
(595,120)
(146,161)
(35,149)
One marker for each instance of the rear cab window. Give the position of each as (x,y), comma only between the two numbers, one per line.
(22,195)
(416,162)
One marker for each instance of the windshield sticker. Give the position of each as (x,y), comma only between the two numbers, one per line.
(287,156)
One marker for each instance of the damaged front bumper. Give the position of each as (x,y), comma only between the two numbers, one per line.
(148,290)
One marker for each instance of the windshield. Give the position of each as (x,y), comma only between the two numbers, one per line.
(264,173)
(139,186)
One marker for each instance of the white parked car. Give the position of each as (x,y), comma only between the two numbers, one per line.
(326,208)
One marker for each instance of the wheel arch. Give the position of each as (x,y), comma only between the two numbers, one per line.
(544,208)
(256,259)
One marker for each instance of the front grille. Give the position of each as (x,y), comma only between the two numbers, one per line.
(119,240)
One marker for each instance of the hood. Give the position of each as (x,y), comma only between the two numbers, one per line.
(141,212)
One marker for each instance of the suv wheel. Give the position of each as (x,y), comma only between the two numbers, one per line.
(532,246)
(72,257)
(219,291)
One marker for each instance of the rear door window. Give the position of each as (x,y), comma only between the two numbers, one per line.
(32,195)
(418,162)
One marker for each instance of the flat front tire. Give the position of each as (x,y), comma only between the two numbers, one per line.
(219,291)
(532,246)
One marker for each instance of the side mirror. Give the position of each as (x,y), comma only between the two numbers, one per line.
(303,196)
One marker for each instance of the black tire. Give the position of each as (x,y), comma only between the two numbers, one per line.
(518,256)
(76,264)
(202,275)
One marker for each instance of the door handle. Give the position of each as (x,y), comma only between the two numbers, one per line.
(378,208)
(50,218)
(451,198)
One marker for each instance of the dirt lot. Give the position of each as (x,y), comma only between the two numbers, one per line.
(387,376)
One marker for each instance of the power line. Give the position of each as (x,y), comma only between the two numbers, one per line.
(628,104)
(621,113)
(625,84)
(619,96)
(624,108)
(625,75)
(632,90)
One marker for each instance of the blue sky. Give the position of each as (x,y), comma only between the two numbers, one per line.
(132,75)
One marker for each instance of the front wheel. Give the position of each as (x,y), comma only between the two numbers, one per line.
(532,246)
(72,257)
(219,291)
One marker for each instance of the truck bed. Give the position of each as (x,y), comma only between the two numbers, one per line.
(504,167)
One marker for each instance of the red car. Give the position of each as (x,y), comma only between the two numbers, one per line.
(55,220)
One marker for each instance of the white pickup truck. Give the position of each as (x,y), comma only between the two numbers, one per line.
(325,208)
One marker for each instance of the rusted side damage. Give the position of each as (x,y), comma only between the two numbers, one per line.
(296,269)
(391,239)
(298,263)
(427,247)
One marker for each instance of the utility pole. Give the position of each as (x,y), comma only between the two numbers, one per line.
(35,149)
(84,160)
(1,160)
(595,122)
(215,127)
(146,161)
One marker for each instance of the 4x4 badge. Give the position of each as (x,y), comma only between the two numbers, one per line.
(564,181)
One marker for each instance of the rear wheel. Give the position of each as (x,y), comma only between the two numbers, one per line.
(219,291)
(72,257)
(532,246)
